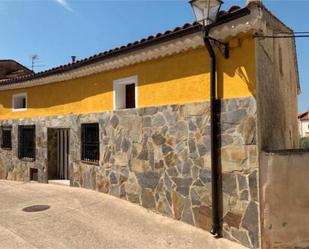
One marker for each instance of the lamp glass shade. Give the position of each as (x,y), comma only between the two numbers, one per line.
(205,11)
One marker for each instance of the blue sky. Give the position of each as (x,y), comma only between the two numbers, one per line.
(57,29)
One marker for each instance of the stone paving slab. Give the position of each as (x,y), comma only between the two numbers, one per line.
(80,218)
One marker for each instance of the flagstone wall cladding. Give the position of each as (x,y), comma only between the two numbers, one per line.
(159,157)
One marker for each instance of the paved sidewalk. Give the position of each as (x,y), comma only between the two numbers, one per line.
(80,218)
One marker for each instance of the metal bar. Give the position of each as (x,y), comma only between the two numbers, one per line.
(281,36)
(58,153)
(68,153)
(61,154)
(65,132)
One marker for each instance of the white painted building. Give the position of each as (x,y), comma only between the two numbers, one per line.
(303,121)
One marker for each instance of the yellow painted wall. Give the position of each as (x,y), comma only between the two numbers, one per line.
(181,78)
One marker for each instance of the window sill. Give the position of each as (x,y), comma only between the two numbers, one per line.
(19,110)
(96,163)
(27,159)
(6,148)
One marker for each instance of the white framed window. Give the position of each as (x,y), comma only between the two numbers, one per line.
(19,102)
(125,93)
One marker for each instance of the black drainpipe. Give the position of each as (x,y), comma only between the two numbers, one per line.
(215,172)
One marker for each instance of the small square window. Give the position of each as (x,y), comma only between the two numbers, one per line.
(19,102)
(6,138)
(125,93)
(90,142)
(26,142)
(130,96)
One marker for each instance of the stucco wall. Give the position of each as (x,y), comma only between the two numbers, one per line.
(159,157)
(277,88)
(285,199)
(185,75)
(304,128)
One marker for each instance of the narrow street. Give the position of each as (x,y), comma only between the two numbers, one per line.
(78,218)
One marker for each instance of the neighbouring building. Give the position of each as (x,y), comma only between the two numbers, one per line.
(303,124)
(10,69)
(134,121)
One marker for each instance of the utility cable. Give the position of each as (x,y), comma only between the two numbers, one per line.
(296,34)
(281,36)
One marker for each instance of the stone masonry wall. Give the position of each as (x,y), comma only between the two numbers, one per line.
(159,157)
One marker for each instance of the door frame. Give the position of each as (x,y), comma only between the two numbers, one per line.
(64,147)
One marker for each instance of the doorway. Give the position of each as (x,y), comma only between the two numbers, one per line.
(58,155)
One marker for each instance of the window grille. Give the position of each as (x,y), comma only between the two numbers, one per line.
(6,142)
(26,140)
(90,142)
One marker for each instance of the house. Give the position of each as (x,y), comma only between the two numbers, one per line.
(303,123)
(134,121)
(10,69)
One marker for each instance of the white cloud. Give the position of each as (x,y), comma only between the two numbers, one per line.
(64,4)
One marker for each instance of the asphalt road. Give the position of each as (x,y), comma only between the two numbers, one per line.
(80,218)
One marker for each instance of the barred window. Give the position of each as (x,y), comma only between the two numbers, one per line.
(90,142)
(26,141)
(6,142)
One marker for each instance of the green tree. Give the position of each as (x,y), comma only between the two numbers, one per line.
(304,143)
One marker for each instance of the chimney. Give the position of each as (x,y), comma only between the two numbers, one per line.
(73,57)
(251,3)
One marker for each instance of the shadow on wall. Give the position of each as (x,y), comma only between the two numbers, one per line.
(240,65)
(183,74)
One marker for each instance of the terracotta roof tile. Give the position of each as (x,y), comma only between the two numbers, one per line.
(303,116)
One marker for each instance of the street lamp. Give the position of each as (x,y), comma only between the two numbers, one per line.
(206,11)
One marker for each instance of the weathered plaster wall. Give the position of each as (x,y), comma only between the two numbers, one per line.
(186,75)
(285,199)
(277,88)
(159,157)
(304,128)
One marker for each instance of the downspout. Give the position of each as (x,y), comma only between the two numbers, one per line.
(215,172)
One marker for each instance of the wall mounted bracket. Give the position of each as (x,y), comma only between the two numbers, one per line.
(223,47)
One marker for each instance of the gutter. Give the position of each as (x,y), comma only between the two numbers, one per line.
(215,172)
(216,176)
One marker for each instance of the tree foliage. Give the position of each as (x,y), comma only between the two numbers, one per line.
(304,143)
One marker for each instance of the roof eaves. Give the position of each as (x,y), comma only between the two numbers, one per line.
(276,18)
(186,29)
(303,114)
